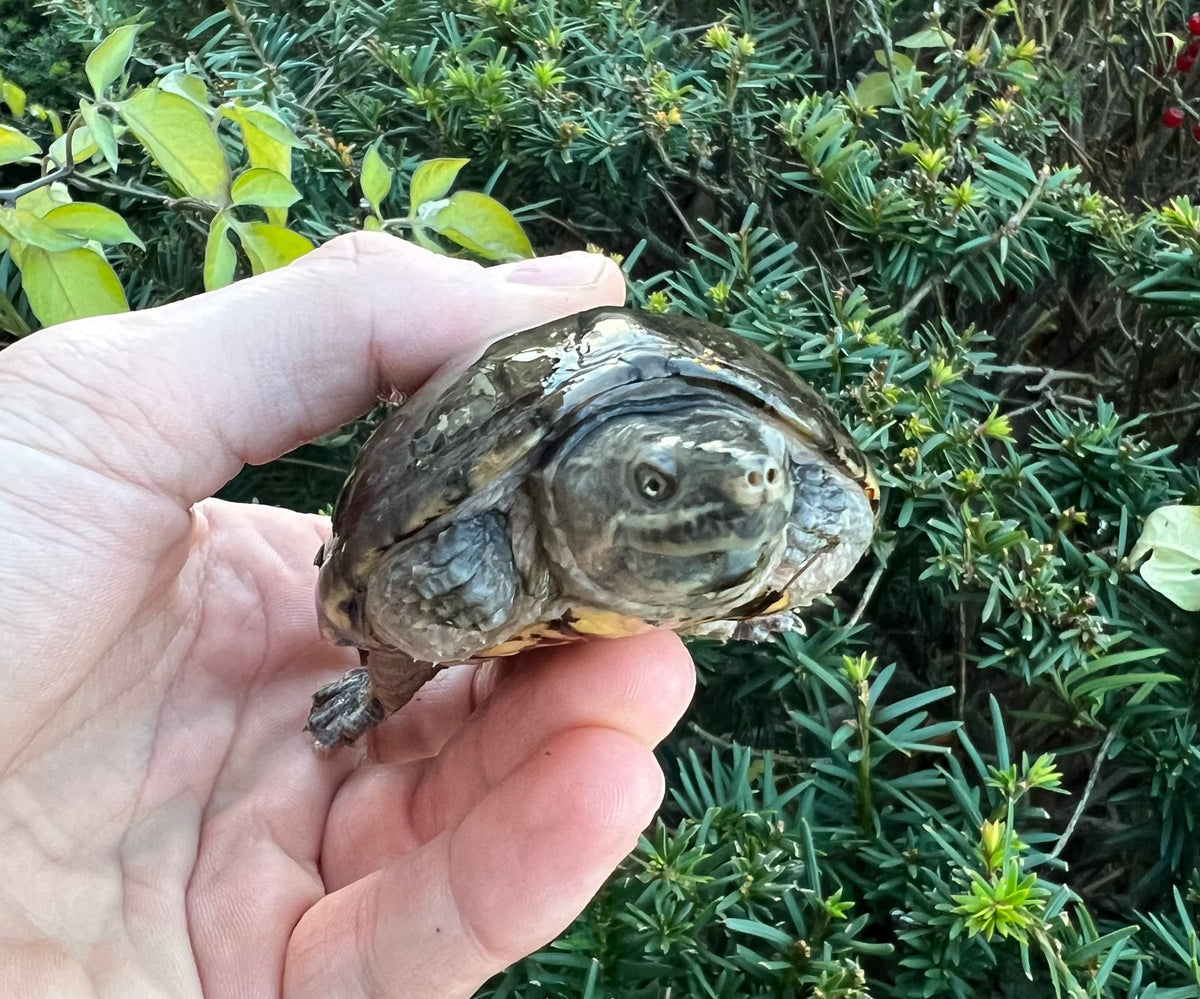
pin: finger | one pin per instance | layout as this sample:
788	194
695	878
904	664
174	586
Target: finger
179	397
639	686
439	709
440	921
636	686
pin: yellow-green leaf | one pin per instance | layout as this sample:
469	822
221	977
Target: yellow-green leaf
15	145
264	119
1171	537
263	187
43	200
424	240
1021	71
186	85
930	38
25	227
482	225
874	91
268	140
372	224
83	146
107	60
178	135
69	285
431	180
267	153
270	246
376	178
91	222
102	132
220	258
13	96
902	63
47	114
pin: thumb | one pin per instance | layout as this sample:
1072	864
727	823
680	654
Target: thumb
177	398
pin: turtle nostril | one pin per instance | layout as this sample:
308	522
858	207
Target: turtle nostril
767	475
762	480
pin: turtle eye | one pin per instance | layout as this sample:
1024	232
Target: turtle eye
653	482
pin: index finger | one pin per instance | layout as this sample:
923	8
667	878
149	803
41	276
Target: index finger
177	398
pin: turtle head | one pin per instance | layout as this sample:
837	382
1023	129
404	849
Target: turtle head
669	510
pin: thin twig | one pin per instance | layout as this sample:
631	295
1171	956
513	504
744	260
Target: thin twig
1076	400
683	220
721	743
322	466
1158	414
236	13
1013	224
708	186
9	196
868	592
1087	792
915	299
885	39
1048	375
962	663
138	191
1008	229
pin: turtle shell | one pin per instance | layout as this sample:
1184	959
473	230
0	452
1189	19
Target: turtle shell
482	421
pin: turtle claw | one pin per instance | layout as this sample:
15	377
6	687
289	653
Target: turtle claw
343	710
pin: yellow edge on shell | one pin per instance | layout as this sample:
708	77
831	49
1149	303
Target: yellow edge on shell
549	633
605	623
777	607
577	624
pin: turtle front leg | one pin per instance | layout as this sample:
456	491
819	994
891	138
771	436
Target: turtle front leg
351	706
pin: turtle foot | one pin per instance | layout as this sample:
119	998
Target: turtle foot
344	710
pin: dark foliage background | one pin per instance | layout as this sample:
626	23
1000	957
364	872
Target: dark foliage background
967	224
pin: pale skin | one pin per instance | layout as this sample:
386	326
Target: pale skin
165	829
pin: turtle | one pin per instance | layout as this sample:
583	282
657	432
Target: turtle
600	475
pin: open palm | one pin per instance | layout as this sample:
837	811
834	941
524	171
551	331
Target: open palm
165	829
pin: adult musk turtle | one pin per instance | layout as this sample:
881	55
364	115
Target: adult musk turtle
596	476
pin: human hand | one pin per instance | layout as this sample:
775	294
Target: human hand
165	829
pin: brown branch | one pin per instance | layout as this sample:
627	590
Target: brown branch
1048	375
1087	793
1008	229
868	592
726	744
236	13
147	193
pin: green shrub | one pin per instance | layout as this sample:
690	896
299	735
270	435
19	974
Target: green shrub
969	227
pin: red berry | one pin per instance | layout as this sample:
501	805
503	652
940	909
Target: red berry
1173	117
1185	62
1194	24
1196	132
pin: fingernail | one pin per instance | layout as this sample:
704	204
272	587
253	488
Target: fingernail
574	269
